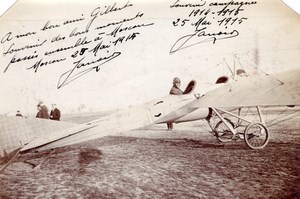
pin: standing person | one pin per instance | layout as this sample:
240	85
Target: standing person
42	111
19	114
55	113
175	90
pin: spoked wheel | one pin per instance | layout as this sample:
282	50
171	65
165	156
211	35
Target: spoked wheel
256	136
222	132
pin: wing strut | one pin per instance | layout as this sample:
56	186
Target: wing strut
16	155
260	114
229	126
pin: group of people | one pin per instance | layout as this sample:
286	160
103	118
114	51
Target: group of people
44	113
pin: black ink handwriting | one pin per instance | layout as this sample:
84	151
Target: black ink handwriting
15	60
202	22
80	52
227	11
76	33
47	26
98	47
203	36
79	42
73	20
230	21
199	12
239	3
40	63
108	9
73	74
122	39
11	50
57	38
8	36
119	29
120	22
177	4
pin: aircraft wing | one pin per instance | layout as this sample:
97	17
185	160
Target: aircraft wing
56	135
21	132
264	90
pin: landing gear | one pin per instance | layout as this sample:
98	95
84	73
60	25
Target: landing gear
256	135
222	132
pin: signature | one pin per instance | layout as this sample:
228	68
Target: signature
201	36
75	73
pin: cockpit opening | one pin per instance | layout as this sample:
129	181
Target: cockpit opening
222	80
190	87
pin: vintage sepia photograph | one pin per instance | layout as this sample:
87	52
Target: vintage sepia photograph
150	99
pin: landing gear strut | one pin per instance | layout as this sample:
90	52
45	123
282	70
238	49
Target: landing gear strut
256	134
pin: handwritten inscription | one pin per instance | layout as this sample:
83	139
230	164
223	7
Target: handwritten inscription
84	43
210	22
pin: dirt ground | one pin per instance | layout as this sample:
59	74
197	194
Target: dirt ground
155	163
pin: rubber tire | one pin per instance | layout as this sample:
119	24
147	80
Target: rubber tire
220	138
247	133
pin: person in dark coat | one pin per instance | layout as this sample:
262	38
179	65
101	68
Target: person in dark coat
42	111
175	90
55	113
